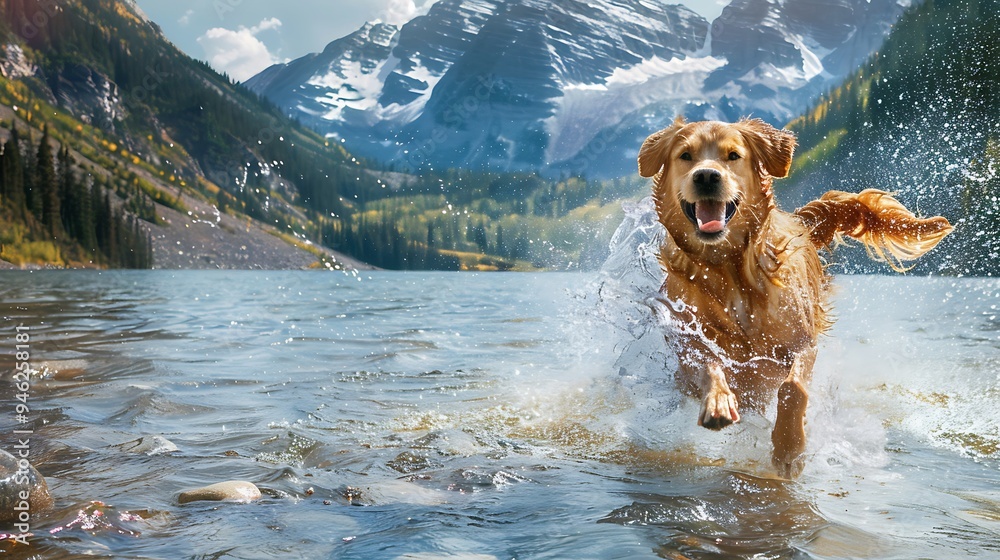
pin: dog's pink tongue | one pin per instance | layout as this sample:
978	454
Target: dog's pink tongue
711	215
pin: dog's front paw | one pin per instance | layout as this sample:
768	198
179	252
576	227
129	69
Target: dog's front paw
719	409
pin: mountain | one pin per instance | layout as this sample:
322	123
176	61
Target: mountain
921	118
181	155
786	52
567	86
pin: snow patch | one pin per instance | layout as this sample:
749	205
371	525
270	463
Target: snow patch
656	67
585	110
347	86
585	87
422	74
409	112
812	57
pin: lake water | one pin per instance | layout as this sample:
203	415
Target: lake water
445	415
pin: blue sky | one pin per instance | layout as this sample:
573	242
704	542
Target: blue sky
243	37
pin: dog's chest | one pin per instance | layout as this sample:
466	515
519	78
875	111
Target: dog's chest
741	320
738	312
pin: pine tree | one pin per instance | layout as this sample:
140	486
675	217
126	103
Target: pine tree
12	174
150	259
67	193
47	186
84	219
479	235
501	247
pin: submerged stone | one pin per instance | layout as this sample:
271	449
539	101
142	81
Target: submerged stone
230	491
408	462
148	445
22	489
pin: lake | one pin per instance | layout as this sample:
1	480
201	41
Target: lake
506	415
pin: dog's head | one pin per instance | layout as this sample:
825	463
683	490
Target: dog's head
712	178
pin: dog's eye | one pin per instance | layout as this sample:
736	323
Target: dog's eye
686	156
733	156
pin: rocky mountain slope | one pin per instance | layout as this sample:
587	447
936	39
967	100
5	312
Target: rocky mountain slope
567	86
201	164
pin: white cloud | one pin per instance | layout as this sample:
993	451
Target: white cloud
186	18
264	25
398	12
239	52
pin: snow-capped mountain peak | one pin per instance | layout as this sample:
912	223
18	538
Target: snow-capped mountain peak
568	85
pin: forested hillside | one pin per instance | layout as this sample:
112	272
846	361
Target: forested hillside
51	214
922	118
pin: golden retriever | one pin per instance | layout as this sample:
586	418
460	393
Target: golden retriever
744	279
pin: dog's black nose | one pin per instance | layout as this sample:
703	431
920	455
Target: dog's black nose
707	177
707	181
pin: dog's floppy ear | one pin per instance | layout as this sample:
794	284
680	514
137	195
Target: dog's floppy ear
772	147
653	153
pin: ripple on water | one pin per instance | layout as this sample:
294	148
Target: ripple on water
287	448
149	407
730	514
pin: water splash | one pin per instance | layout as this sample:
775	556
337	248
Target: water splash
625	300
652	417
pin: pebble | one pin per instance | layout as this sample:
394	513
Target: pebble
230	491
63	370
148	445
16	484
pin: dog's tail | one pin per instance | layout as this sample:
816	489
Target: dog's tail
889	231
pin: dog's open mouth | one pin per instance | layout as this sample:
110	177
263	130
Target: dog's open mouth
709	216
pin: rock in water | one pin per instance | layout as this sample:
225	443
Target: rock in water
229	491
22	488
148	445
